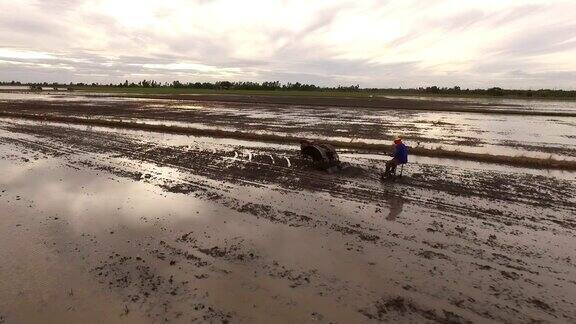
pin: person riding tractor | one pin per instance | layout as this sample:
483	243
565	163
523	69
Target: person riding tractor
399	157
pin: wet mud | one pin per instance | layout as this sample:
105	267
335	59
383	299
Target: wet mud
469	105
109	225
506	135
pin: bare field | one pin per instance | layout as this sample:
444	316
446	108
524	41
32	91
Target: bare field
124	226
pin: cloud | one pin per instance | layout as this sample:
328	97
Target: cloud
15	54
509	43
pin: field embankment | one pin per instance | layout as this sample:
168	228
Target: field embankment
507	94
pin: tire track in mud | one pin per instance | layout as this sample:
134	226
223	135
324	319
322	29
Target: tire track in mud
274	269
312	181
115	119
135	279
345	187
360	189
203	163
204	190
259	210
202	160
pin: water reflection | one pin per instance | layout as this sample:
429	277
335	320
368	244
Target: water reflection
89	200
396	205
511	135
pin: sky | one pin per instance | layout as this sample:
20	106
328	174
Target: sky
524	44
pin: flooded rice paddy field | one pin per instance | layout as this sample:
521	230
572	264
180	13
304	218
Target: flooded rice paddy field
117	226
498	134
542	105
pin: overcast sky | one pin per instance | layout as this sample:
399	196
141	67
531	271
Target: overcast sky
374	43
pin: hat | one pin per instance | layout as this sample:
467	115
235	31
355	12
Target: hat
398	140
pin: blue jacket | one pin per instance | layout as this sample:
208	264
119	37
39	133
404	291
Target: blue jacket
401	153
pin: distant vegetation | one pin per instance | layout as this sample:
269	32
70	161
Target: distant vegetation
151	86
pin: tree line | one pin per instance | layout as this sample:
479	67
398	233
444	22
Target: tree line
489	92
297	86
230	85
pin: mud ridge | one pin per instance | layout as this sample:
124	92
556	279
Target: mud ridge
347	102
519	161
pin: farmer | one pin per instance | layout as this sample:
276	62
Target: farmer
324	156
400	156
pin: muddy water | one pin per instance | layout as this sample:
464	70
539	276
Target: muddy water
47	212
49	95
503	103
114	226
511	135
